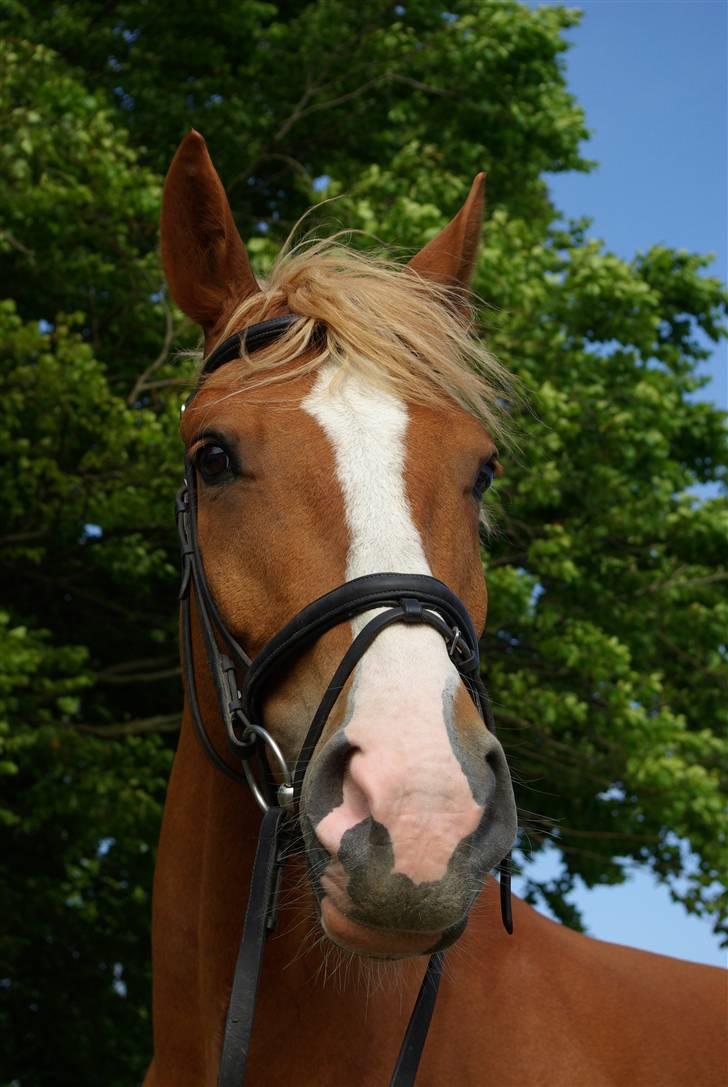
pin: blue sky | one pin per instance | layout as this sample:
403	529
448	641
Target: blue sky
652	76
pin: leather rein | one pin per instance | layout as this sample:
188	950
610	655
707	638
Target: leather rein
398	598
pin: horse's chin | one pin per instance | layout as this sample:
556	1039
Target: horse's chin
378	943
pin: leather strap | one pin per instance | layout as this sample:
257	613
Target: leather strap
220	666
189	667
504	880
250	339
431	602
259	920
408	1061
351	658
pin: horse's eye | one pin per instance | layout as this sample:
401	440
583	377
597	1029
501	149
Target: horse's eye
212	462
485	476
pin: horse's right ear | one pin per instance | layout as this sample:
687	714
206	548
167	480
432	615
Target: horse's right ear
204	258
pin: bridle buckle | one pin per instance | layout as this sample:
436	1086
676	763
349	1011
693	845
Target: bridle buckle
458	646
455	643
186	544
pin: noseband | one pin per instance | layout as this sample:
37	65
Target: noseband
396	598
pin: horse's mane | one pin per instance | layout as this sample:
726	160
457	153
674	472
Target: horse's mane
382	320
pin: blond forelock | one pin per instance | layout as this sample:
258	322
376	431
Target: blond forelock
379	319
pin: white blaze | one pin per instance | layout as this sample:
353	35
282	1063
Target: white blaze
366	427
413	782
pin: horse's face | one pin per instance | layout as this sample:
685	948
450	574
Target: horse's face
305	484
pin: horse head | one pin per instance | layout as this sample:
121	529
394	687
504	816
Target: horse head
358	441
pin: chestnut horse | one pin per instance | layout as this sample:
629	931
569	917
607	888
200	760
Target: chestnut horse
358	442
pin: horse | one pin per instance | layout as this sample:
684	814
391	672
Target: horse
352	441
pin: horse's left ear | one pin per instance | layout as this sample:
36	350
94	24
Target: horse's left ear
451	255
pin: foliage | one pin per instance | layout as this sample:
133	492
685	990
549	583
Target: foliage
605	648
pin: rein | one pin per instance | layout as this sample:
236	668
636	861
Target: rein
404	598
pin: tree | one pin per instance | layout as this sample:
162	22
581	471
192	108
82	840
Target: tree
605	649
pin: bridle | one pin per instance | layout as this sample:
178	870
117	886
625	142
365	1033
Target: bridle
397	598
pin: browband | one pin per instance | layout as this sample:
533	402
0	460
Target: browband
249	339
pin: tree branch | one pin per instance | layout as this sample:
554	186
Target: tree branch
22	537
396	77
161	358
338	101
180	382
716	674
136	677
15	243
140	662
296	113
169	722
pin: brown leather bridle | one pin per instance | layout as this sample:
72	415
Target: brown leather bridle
397	598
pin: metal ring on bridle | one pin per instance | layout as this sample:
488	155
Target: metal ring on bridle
284	791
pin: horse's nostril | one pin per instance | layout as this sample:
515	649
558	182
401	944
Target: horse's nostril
332	799
341	756
494	756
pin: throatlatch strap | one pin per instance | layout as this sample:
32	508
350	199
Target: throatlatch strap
405	1070
241	1010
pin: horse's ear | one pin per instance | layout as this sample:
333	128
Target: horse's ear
204	258
451	255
